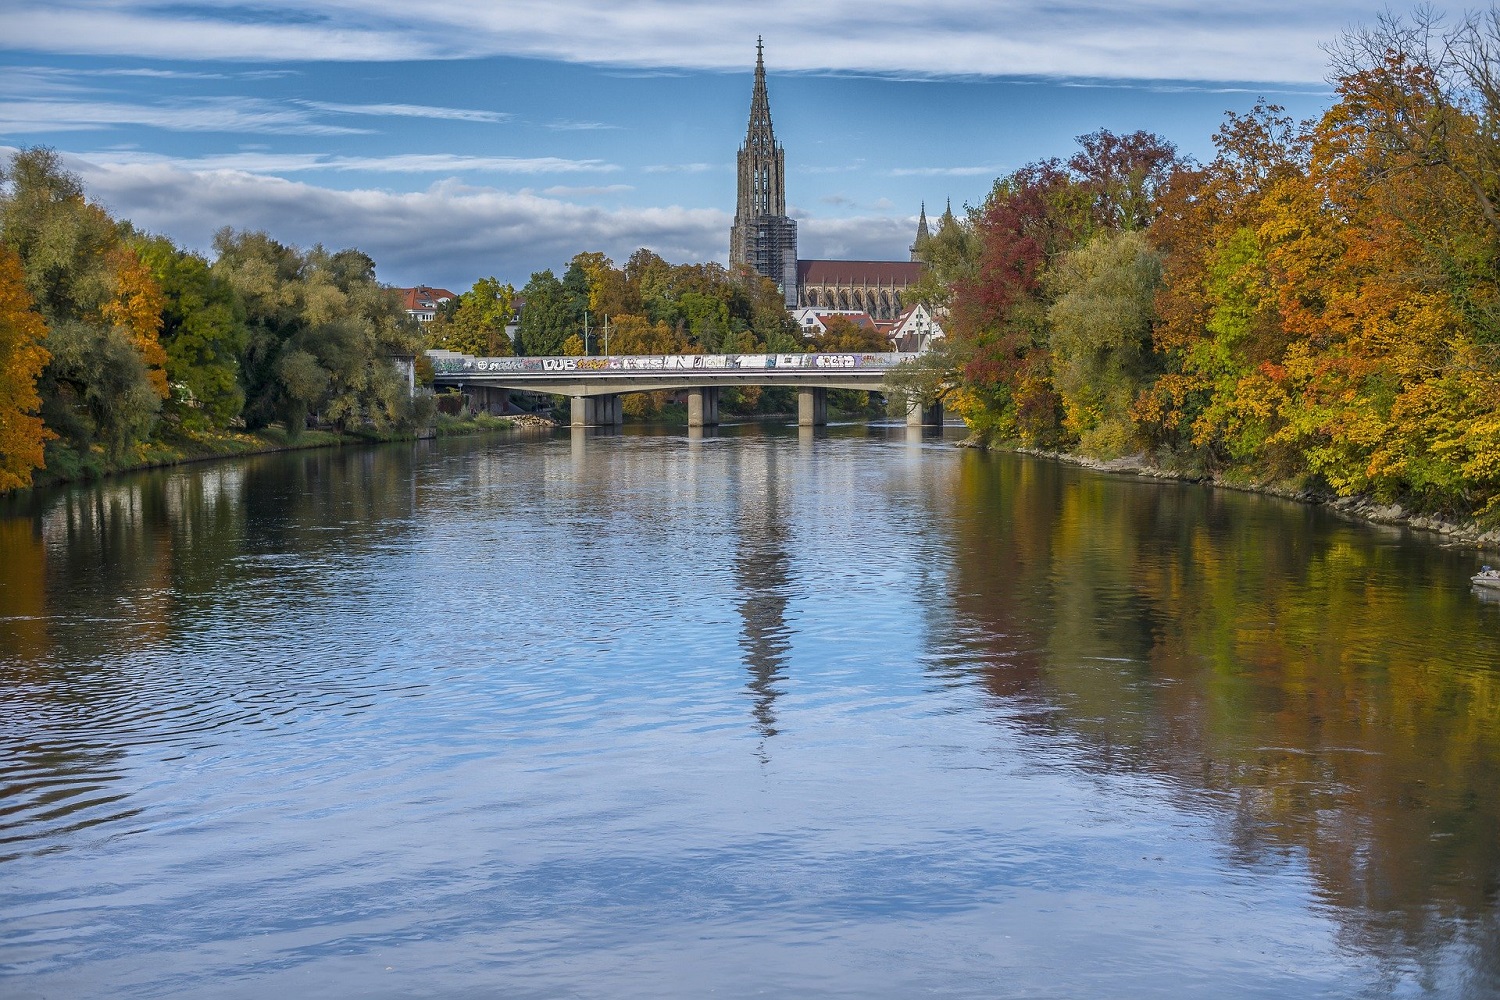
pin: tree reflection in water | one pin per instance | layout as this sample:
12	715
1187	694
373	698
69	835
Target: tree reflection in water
1327	690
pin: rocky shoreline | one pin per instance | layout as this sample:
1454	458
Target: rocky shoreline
1468	533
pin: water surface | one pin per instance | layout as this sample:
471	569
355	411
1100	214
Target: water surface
755	713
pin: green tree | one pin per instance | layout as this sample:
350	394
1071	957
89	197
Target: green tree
323	335
548	317
203	332
1101	337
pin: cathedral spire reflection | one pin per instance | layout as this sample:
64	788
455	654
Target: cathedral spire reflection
762	569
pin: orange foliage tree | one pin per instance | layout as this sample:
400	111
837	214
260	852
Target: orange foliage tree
22	358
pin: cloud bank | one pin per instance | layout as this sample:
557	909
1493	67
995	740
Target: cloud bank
1272	40
449	233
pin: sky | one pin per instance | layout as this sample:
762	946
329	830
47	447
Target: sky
456	139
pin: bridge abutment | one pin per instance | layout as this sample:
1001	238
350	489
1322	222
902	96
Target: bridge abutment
488	399
703	406
812	407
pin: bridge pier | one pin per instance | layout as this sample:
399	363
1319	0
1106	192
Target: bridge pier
598	411
703	406
812	407
918	415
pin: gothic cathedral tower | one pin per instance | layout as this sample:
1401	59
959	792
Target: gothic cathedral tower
763	237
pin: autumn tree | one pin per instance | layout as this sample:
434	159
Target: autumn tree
1218	318
950	257
999	312
841	333
22	359
477	325
105	380
1124	176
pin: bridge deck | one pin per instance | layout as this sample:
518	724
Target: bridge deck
594	376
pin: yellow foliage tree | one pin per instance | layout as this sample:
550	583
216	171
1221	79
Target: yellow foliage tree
136	307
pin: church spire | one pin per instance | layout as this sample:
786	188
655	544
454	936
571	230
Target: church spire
763	237
919	246
759	138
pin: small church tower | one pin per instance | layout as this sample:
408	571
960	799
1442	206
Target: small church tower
763	237
919	246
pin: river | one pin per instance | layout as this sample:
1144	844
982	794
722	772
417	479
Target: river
759	712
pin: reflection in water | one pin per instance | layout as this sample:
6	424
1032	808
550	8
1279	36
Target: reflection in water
479	706
762	570
1329	696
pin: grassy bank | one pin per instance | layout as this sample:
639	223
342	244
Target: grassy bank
68	465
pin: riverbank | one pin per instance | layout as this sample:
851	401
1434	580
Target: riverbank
1466	532
185	447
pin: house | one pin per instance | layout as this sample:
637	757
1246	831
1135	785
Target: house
422	302
915	329
813	322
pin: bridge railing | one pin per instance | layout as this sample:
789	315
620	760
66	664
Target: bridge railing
449	363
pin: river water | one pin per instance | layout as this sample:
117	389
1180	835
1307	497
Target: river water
755	713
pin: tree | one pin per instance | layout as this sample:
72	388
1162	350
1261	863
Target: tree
1217	314
1125	174
950	256
104	381
638	335
203	332
135	306
1101	337
477	325
548	318
843	334
22	359
323	335
999	310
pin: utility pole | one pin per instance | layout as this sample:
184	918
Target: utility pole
585	333
606	335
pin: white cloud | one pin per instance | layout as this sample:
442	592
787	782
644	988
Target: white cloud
412	111
252	162
1272	40
233	114
862	238
683	168
989	171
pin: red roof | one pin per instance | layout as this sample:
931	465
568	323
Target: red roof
898	273
424	297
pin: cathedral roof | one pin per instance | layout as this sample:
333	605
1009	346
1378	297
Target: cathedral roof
858	272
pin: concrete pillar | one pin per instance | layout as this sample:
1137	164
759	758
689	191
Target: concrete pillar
703	406
616	404
583	411
918	415
812	407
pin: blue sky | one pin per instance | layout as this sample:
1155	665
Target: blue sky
461	138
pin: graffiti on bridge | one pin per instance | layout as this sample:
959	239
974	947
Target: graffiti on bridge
665	363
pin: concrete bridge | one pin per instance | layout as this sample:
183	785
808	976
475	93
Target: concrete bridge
595	384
